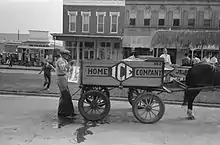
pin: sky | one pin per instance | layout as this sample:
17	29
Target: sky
24	15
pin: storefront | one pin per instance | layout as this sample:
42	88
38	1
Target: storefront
90	47
179	42
34	55
141	45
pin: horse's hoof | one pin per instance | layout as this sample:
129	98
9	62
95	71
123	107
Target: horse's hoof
191	118
184	104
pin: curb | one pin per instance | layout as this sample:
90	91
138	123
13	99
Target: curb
14	68
115	98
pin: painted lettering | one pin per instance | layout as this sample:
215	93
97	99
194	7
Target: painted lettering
147	72
98	71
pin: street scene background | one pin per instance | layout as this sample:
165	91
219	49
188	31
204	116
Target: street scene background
32	33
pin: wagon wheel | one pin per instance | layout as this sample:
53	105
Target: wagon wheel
97	108
148	108
133	93
100	89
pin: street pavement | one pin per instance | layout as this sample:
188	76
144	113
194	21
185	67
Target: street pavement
32	121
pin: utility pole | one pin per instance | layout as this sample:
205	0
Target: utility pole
18	34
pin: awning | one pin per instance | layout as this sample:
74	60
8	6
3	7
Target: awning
137	41
61	36
185	38
34	47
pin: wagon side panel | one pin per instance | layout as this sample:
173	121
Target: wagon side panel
148	73
98	73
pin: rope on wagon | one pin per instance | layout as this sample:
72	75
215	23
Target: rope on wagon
76	92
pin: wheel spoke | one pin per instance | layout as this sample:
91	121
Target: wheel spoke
153	113
146	115
86	102
141	113
89	109
99	111
150	115
156	106
155	110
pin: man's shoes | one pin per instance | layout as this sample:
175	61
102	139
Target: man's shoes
68	116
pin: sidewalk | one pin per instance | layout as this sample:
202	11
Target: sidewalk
20	67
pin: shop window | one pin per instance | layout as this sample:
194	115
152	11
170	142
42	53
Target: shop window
89	44
81	44
108	44
91	54
86	54
102	44
117	45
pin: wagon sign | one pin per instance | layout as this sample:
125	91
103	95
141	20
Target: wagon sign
113	73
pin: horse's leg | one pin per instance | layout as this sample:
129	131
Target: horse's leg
191	98
185	100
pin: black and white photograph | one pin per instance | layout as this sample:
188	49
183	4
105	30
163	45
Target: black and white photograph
110	72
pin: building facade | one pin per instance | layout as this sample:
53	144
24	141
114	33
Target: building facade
149	24
92	29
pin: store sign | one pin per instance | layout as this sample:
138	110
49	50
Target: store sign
122	71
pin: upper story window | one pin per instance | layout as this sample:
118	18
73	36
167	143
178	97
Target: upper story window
207	18
72	21
176	18
161	20
192	18
147	17
114	22
85	21
100	21
132	17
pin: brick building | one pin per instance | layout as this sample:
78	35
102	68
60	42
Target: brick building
172	24
92	29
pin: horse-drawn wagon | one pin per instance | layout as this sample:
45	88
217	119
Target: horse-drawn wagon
141	78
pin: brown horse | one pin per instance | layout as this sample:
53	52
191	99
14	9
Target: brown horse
200	75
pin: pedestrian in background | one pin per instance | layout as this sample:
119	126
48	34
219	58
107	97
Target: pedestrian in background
65	108
47	68
186	61
166	57
10	60
195	59
207	58
214	59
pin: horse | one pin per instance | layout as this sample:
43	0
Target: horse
200	75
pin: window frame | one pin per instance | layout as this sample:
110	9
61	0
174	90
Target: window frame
134	12
147	16
70	14
162	12
83	22
176	16
209	18
193	17
97	15
111	23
